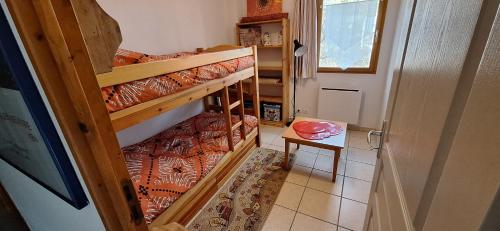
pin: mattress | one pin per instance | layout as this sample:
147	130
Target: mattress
121	96
167	165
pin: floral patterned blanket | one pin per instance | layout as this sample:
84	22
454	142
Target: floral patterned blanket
121	96
167	165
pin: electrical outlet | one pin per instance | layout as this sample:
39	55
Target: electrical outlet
303	111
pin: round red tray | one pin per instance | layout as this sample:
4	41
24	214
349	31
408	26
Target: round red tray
316	130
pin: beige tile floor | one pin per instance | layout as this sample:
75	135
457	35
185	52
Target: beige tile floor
309	200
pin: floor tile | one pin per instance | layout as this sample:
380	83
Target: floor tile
299	175
325	163
290	195
352	214
264	145
279	141
273	129
362	155
343	229
267	138
280	148
357	190
279	219
357	139
309	149
305	159
361	144
270	146
360	135
359	170
343	153
322	181
303	222
320	205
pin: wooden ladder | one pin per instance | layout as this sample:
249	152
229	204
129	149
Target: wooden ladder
227	107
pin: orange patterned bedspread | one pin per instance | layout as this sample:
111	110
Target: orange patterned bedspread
165	166
125	95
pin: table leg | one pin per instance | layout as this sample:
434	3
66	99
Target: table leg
335	163
287	152
298	145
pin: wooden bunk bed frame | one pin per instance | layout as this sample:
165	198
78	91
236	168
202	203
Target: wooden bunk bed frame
130	116
71	44
184	208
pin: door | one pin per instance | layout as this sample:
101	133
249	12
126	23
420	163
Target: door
431	50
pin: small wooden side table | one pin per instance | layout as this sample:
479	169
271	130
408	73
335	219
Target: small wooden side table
334	143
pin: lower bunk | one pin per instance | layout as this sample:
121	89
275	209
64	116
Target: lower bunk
175	172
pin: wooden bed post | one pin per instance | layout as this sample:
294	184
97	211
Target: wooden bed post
241	109
255	94
52	36
206	103
227	116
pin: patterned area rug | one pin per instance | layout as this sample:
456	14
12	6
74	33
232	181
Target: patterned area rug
245	201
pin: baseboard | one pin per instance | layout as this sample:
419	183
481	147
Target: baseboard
358	128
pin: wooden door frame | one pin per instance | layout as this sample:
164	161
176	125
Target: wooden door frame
56	47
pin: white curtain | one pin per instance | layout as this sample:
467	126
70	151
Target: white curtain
305	30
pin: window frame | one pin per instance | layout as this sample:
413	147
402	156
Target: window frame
379	28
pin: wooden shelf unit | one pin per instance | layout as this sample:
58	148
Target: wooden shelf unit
270	68
264	47
271	99
266	81
279	67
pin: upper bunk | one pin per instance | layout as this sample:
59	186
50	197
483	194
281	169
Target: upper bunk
125	87
102	37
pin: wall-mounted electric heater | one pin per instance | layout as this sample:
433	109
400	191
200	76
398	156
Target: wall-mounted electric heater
339	104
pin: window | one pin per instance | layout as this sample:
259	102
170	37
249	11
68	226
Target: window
350	34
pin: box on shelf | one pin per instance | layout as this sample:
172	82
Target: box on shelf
251	36
272	112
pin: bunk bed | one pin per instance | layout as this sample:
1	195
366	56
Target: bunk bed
176	171
72	45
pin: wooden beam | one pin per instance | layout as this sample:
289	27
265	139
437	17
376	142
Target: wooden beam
241	110
236	125
223	47
101	34
255	91
52	37
233	105
128	73
227	117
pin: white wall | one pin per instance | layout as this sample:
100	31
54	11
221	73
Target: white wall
167	26
41	209
155	125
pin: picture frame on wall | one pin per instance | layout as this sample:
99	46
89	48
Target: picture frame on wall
29	141
263	7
